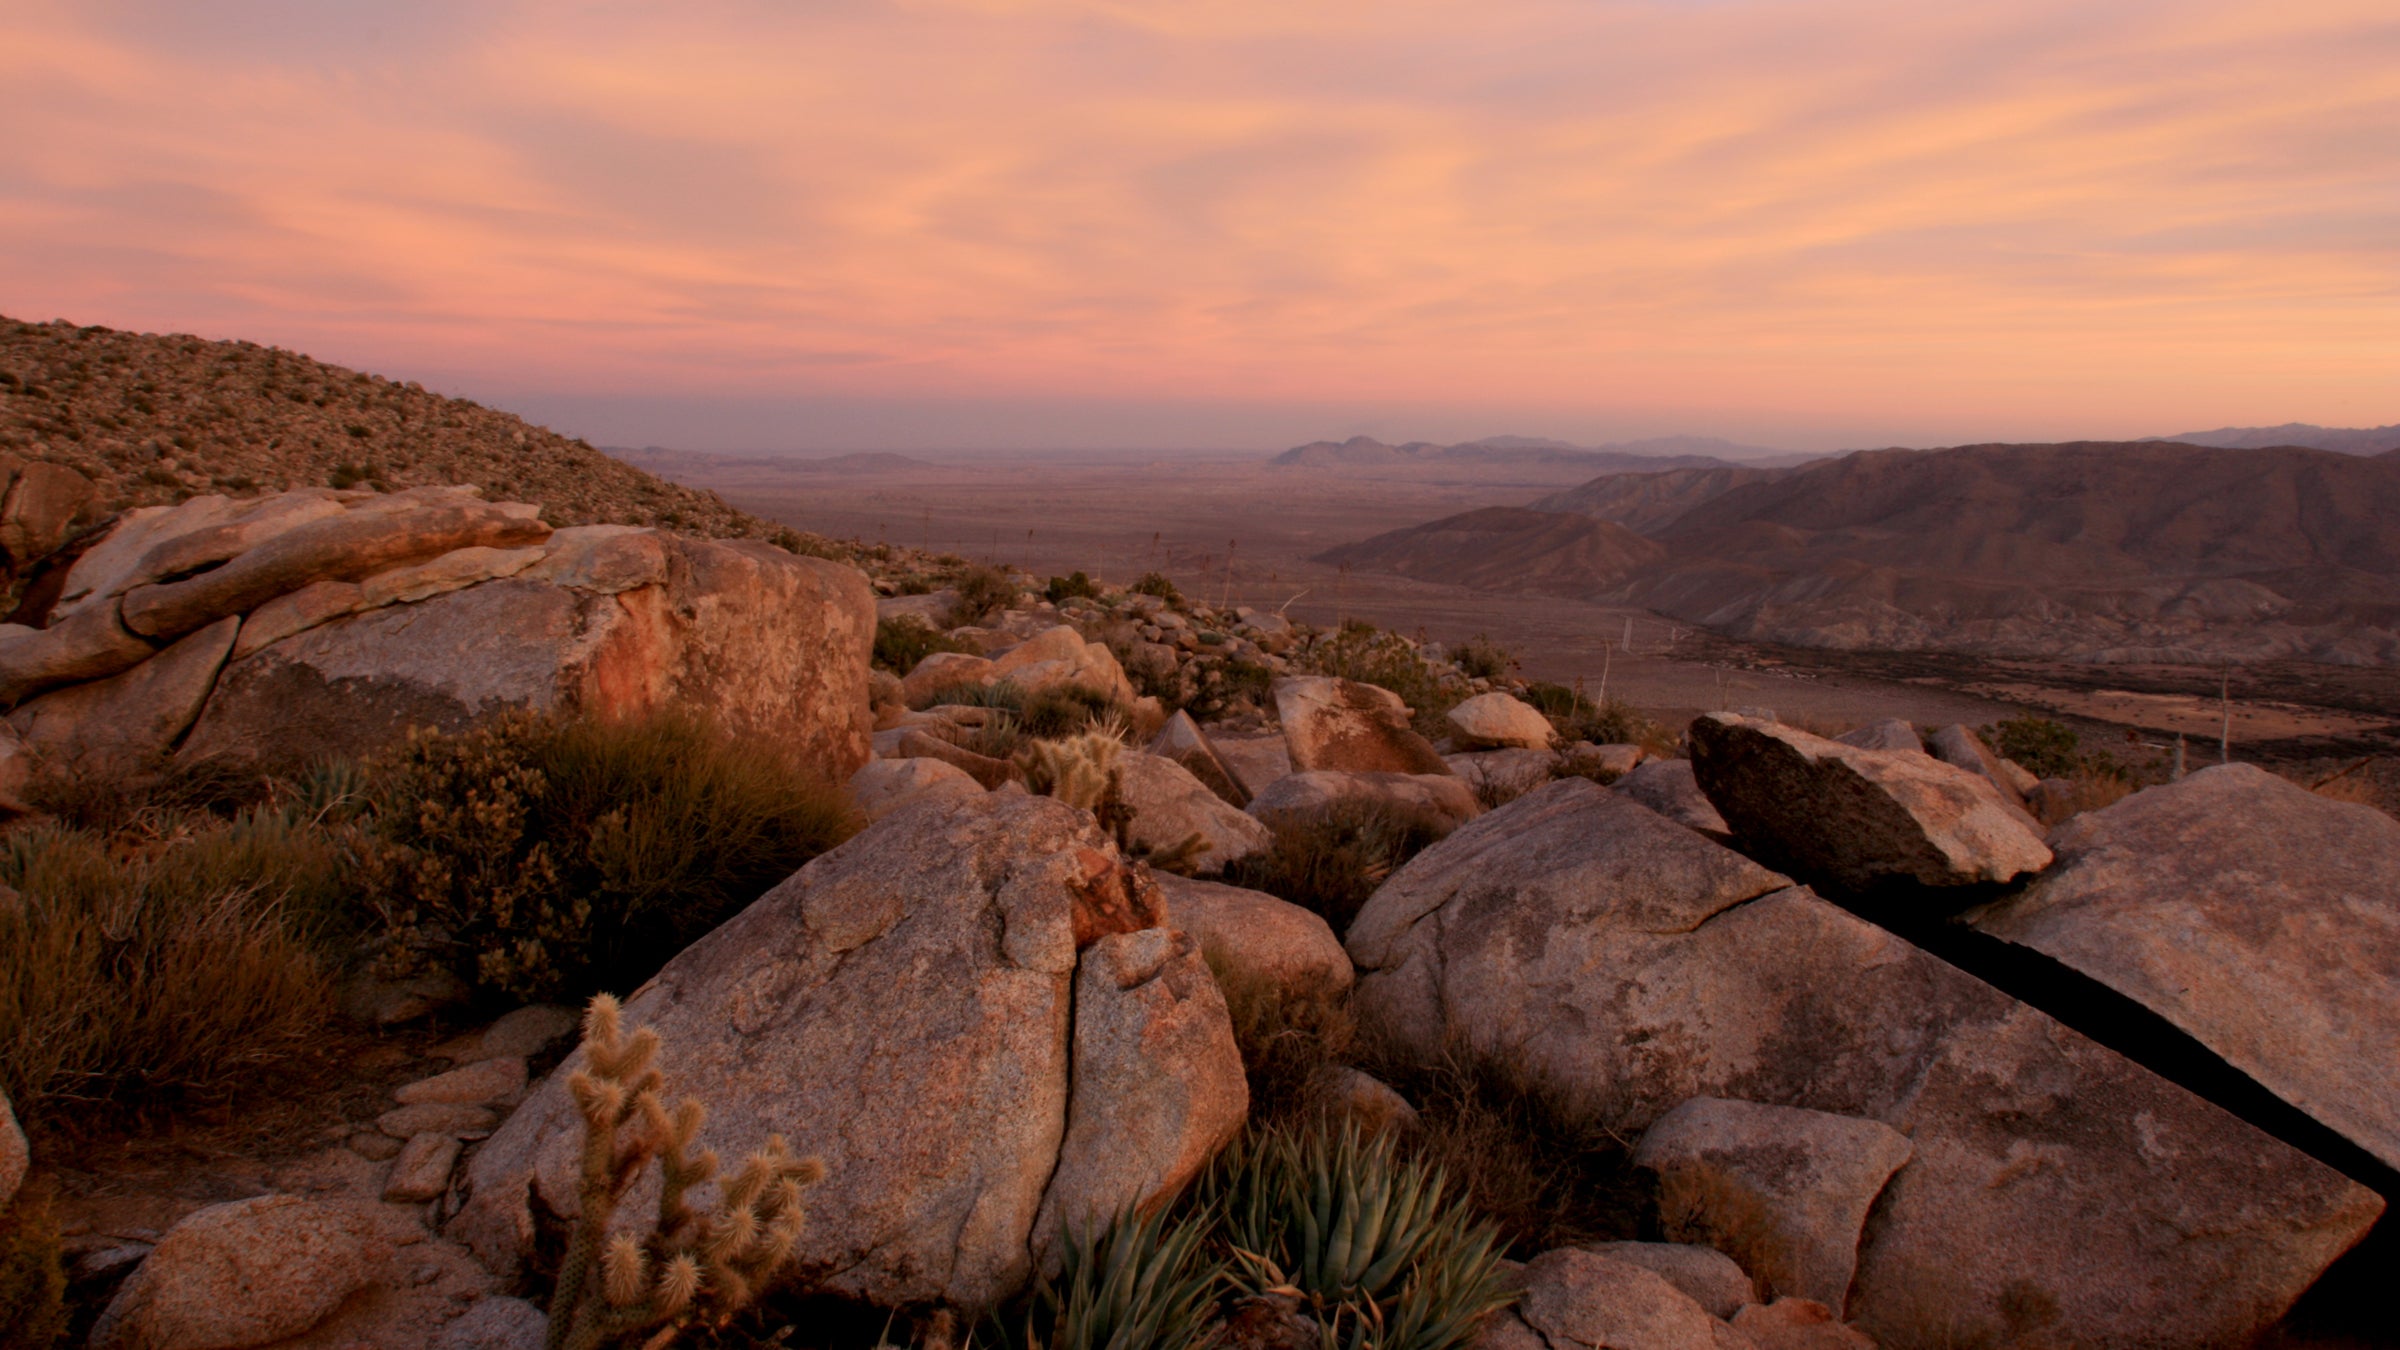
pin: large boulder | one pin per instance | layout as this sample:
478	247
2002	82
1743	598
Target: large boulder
1158	1085
1170	805
1182	741
245	1273
15	1158
2058	1191
1497	721
1499	775
1061	656
39	507
882	786
1443	799
2259	917
1668	787
1958	745
132	718
610	621
1346	727
1860	819
1250	937
904	1008
1256	760
1785	1190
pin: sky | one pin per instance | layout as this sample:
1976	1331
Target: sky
1217	223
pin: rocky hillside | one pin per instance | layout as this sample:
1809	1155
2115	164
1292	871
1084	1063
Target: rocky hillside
2095	550
1507	548
156	419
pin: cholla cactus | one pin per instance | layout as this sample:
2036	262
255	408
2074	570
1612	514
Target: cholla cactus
695	1266
1083	771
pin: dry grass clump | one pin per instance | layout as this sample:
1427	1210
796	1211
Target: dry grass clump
1331	861
548	857
1290	1040
904	639
1608	722
981	590
140	968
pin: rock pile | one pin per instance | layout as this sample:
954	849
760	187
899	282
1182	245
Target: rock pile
321	622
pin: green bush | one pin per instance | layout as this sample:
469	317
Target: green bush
1483	659
1577	718
2044	748
1067	710
981	590
1075	586
904	639
135	968
551	858
1332	861
1231	681
1156	583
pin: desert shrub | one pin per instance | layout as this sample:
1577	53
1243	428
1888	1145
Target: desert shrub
904	639
1073	586
1525	1157
1068	710
981	590
33	1279
1480	658
1140	1283
138	968
1613	722
1331	861
1370	655
2044	748
1156	583
1379	1245
2087	789
809	545
1225	684
546	857
1290	1040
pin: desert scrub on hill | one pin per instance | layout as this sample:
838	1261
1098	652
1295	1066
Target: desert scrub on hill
904	640
981	590
175	957
2044	748
545	857
1480	658
1615	722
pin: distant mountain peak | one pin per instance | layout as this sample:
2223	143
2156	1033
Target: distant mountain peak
2307	436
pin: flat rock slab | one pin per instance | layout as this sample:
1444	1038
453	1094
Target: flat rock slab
2058	1190
1785	1190
132	719
1347	727
2255	915
422	1171
1859	819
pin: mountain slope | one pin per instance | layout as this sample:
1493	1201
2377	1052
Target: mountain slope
1506	548
2342	440
1649	502
157	418
1672	452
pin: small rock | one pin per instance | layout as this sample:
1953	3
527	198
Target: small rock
1252	937
1498	721
1603	764
1182	741
423	1169
529	1031
1710	1277
499	1323
450	1118
1374	1104
1668	787
374	1145
243	1274
1578	1298
486	1081
1798	1324
1781	1189
882	786
1892	733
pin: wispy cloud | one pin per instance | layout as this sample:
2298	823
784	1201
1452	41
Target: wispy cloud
2077	216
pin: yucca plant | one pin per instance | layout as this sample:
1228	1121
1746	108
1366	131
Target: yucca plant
1383	1254
1145	1283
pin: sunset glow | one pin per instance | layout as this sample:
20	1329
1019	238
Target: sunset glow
1170	224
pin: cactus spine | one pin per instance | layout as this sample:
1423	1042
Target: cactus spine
695	1266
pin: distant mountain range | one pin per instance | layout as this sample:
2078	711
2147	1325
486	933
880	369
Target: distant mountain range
2111	551
1665	452
2341	440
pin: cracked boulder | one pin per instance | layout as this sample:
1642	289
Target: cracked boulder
2058	1191
906	1009
2257	916
1346	727
1858	818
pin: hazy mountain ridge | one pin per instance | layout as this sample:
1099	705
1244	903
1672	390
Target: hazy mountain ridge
2340	440
155	418
1666	452
2099	550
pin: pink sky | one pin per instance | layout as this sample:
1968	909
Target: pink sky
851	225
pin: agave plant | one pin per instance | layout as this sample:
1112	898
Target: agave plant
1145	1283
1384	1255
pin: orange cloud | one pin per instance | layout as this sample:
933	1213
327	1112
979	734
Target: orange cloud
2045	218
